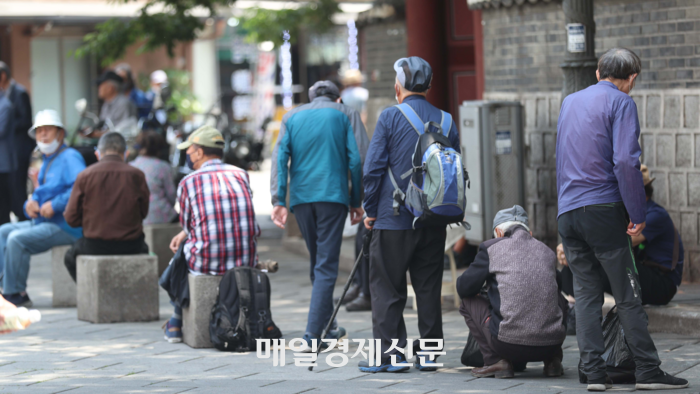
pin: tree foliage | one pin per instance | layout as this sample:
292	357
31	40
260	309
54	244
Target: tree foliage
261	25
166	23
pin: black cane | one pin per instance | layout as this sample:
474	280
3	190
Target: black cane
365	247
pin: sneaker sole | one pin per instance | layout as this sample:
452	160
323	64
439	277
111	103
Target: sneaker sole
599	387
426	369
384	369
173	340
659	386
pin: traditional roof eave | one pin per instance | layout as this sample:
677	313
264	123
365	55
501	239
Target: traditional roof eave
486	4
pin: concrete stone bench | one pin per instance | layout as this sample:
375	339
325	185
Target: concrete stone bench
195	318
122	288
158	237
63	286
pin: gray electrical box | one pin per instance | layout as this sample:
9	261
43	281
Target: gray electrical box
491	135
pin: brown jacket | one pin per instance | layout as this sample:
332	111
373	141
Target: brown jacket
109	200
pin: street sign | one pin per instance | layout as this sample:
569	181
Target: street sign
576	33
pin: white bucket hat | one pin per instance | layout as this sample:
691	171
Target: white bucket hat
47	117
159	76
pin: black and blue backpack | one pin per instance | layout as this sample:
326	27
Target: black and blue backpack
436	192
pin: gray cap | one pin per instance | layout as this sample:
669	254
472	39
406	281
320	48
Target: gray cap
414	73
323	88
515	214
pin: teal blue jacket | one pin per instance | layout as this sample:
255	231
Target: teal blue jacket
318	145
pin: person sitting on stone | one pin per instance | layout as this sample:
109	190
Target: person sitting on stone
216	213
158	176
522	316
109	200
659	253
47	226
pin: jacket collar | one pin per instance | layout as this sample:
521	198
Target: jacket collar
211	162
112	158
511	231
608	84
321	98
414	97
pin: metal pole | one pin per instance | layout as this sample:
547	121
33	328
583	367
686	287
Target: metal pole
580	62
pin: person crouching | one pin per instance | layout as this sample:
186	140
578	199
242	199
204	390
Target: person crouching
521	319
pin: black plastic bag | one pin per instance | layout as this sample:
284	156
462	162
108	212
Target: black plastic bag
471	356
174	279
618	356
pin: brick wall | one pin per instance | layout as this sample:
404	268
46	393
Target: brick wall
523	47
664	33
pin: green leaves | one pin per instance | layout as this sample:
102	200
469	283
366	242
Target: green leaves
261	25
159	23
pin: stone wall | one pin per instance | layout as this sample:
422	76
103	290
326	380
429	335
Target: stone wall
670	140
524	45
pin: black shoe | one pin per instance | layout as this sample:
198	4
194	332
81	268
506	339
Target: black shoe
18	299
361	303
662	381
571	322
353	292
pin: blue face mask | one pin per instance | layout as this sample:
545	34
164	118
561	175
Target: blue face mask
190	164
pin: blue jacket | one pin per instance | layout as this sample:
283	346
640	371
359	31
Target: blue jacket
142	101
324	140
598	151
8	162
56	184
393	144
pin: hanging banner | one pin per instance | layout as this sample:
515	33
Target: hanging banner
263	105
576	33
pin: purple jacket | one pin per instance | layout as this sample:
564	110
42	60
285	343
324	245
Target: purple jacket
598	151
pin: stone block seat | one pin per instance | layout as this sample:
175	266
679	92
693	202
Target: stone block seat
158	237
195	318
63	286
117	288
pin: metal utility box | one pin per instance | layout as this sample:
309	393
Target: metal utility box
491	137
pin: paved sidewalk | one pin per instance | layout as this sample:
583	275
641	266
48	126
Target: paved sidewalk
62	354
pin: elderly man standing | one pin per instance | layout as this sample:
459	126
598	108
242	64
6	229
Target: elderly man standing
216	213
601	205
45	207
397	246
22	144
522	317
324	140
117	110
109	200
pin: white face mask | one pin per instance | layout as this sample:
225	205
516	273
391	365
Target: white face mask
49	148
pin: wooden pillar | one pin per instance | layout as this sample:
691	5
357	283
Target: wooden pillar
424	35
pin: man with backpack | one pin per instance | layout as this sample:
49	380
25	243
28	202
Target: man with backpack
409	235
324	140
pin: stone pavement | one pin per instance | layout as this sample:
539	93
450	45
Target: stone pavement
62	354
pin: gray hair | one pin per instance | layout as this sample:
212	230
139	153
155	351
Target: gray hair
112	141
507	225
619	63
4	68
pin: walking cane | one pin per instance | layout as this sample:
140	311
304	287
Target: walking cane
365	249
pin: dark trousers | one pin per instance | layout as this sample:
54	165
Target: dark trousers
18	180
657	287
321	224
597	247
101	247
362	274
5	197
392	253
477	314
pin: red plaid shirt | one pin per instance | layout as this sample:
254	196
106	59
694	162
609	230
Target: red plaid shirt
216	211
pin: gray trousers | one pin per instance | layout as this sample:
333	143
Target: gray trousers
596	245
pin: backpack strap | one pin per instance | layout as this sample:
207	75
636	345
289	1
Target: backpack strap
412	118
242	275
399	195
446	123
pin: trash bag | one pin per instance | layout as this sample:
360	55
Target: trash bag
471	356
618	356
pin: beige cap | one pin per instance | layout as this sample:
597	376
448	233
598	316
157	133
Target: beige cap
204	136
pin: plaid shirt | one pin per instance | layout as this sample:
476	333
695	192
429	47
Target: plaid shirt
216	211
